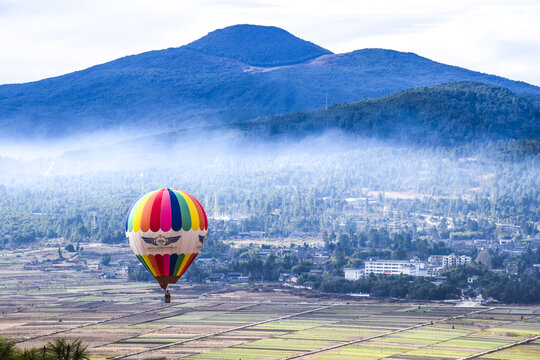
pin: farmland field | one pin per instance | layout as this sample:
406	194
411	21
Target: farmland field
119	319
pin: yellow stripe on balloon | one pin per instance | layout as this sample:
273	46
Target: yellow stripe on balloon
149	264
138	213
192	211
184	262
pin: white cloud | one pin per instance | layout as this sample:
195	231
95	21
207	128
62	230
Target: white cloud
42	39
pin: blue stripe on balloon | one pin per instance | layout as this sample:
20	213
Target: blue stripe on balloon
127	216
176	215
172	264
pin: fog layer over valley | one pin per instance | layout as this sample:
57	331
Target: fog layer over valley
331	182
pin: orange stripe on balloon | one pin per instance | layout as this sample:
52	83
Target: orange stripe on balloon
153	261
191	258
147	211
138	213
149	264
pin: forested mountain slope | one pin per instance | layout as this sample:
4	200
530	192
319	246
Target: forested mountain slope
445	114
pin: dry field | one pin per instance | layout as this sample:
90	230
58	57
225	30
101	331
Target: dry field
123	320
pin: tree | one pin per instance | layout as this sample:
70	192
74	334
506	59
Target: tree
61	349
484	257
8	350
106	259
34	354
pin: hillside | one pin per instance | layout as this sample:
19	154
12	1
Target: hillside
439	115
207	82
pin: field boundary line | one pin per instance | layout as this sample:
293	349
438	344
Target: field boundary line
336	346
504	347
160	347
160	329
101	322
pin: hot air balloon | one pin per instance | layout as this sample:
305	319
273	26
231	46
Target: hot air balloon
166	229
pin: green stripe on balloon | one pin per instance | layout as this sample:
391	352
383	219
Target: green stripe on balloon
184	209
178	263
144	263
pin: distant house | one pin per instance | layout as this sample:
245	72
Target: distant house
257	234
320	258
264	253
284	277
108	275
216	278
353	274
233	276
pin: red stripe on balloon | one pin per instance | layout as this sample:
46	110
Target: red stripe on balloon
156	211
147	211
166	263
159	260
166	216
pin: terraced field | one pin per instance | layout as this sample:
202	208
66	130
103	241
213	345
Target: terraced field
121	320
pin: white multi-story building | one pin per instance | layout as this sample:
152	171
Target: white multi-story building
464	260
436	260
395	267
453	260
353	274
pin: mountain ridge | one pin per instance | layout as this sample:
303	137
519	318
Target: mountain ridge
446	114
257	45
180	86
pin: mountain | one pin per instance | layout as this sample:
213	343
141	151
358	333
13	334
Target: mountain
447	114
262	46
230	75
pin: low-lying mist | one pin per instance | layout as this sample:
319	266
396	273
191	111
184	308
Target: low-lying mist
199	154
281	186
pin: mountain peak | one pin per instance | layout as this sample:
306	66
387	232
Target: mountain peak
257	45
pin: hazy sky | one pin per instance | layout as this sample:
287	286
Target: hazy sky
47	38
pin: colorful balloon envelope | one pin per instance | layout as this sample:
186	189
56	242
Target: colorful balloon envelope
167	229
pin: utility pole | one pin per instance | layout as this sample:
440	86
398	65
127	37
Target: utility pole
326	105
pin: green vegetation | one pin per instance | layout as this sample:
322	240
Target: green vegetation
59	349
523	352
284	344
448	114
241	353
522	288
151	340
